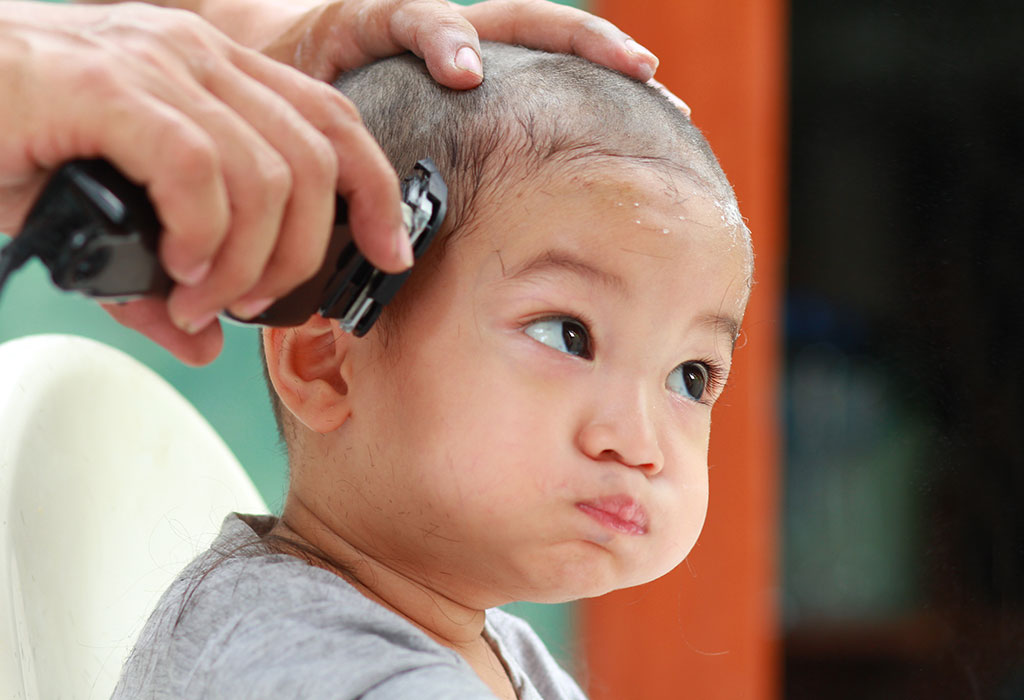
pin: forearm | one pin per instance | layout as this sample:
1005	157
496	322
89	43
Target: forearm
192	5
242	20
252	23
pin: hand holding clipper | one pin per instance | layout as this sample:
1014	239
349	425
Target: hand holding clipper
98	235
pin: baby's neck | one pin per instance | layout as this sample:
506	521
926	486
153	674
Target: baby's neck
446	621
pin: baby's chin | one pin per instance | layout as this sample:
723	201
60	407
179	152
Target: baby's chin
587	589
591	576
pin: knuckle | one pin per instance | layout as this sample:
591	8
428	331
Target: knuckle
275	180
430	5
344	107
437	7
195	160
519	5
540	8
235	276
454	24
96	75
296	264
188	26
323	165
325	106
342	120
424	18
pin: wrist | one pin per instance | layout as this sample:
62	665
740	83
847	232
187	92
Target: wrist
252	23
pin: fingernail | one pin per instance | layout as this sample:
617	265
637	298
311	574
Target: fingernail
639	50
403	248
468	59
195	275
251	309
197	324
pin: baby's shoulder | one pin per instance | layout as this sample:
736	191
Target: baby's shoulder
242	622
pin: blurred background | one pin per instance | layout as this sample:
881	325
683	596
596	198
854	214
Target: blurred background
903	532
865	537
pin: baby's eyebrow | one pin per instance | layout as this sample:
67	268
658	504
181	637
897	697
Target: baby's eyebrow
566	261
724	325
559	260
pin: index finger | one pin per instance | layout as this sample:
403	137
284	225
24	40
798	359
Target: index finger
157	146
561	29
369	185
366	179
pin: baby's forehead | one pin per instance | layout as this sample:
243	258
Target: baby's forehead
661	199
688	197
637	221
600	211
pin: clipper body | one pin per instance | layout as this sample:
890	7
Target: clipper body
99	233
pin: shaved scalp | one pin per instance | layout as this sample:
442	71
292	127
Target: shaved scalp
533	110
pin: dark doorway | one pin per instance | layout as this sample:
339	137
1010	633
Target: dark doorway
904	493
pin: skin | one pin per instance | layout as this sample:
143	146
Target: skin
447	469
241	154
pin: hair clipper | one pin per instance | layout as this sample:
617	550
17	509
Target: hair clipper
98	233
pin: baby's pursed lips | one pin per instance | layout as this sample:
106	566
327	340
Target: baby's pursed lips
619	512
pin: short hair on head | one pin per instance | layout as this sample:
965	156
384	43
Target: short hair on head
533	110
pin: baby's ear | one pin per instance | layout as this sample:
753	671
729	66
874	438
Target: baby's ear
306	365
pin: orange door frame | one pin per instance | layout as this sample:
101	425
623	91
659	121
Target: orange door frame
709	629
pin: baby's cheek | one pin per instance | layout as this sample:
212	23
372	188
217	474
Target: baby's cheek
686	509
673	547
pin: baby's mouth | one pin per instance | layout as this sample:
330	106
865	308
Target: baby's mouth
620	513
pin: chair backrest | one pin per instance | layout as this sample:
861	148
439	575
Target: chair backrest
110	482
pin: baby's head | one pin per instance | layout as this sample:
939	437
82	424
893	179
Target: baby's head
530	419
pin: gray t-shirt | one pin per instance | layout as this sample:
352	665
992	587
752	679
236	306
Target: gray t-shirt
240	622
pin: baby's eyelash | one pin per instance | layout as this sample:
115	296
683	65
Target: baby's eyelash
717	373
717	377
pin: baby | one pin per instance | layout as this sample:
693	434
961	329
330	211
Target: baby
529	420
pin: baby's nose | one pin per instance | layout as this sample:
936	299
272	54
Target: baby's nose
622	429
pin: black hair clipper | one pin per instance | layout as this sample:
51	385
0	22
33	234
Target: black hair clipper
97	233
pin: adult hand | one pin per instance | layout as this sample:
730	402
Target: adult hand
241	155
323	39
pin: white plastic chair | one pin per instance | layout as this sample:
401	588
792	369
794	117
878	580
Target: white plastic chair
110	482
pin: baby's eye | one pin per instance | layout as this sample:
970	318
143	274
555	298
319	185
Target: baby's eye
563	334
689	379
